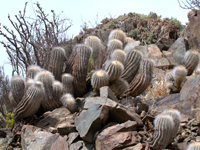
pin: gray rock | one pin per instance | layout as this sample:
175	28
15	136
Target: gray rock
136	147
92	120
72	137
76	146
60	144
106	92
66	128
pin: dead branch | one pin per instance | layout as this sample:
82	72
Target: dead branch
189	4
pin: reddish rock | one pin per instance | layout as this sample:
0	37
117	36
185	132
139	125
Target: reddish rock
60	143
139	146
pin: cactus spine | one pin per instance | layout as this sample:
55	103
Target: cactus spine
69	102
32	70
118	55
49	102
179	74
143	79
117	34
17	88
194	146
31	101
163	126
95	43
57	89
191	60
119	86
112	45
56	63
67	81
80	68
99	78
131	65
114	69
176	116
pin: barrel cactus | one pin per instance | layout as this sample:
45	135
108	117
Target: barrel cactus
99	78
29	82
118	55
67	81
194	146
117	34
69	102
57	89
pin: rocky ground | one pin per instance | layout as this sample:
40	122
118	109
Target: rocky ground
105	122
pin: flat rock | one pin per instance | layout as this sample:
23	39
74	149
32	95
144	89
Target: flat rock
106	92
92	120
34	138
76	146
170	58
139	146
178	49
60	144
53	118
66	128
72	137
118	136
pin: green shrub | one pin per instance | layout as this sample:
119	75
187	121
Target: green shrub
10	120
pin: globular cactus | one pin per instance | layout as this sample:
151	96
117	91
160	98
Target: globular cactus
17	88
56	63
99	78
119	86
118	55
57	89
117	34
179	74
49	103
80	69
12	100
131	46
29	82
31	102
191	60
143	79
194	146
32	70
112	45
163	126
67	81
95	43
176	116
131	65
69	102
114	69
128	39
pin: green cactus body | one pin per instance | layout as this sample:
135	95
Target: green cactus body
68	86
57	89
119	86
112	45
118	55
69	102
80	69
163	126
131	46
32	70
17	88
176	116
117	34
179	74
191	60
114	69
131	65
49	103
31	101
29	82
194	146
95	43
99	78
56	63
143	79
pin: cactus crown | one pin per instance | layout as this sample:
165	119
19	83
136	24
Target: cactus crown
163	117
46	77
174	113
69	101
118	55
29	82
117	34
58	84
32	71
93	41
99	78
58	51
179	71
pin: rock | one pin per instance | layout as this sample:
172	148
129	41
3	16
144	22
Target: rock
106	92
178	50
170	58
53	118
92	120
192	29
87	146
139	146
142	107
117	112
118	136
76	146
153	52
34	138
66	128
165	43
60	144
72	137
